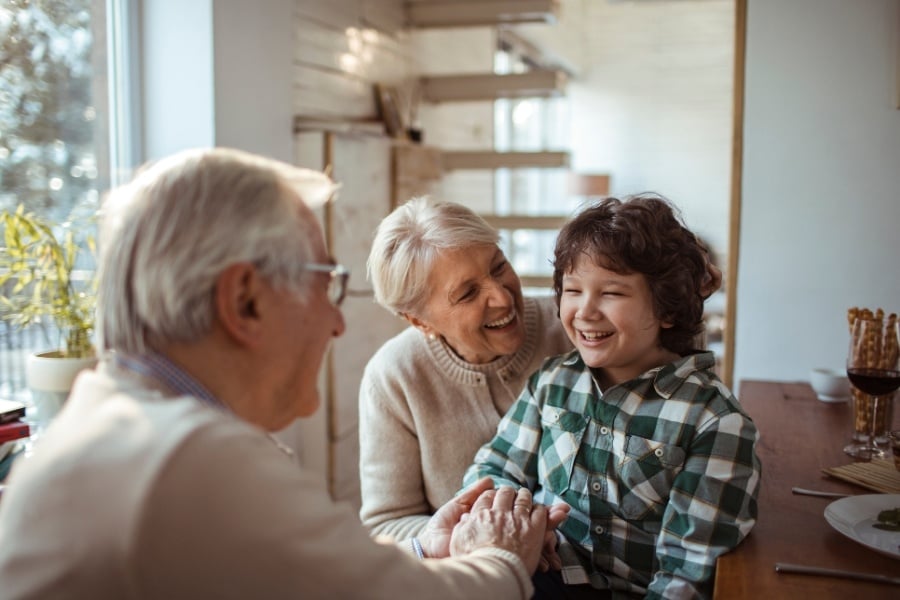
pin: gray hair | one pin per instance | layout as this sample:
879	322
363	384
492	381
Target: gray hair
167	236
408	241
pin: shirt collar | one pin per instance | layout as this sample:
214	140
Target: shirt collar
666	378
157	366
671	376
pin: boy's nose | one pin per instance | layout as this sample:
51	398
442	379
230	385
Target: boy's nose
588	309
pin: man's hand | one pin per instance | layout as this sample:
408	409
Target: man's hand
504	519
435	539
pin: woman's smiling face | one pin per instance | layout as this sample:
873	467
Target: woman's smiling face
475	304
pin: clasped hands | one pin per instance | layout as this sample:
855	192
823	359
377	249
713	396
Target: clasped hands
481	516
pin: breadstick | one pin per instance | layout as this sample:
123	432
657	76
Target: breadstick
890	350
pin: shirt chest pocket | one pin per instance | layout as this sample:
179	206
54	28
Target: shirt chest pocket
645	476
561	434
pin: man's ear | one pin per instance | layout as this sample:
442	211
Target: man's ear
238	302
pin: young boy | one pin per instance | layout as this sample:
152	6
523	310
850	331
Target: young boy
632	429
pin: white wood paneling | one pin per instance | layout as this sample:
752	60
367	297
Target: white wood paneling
361	164
342	48
321	93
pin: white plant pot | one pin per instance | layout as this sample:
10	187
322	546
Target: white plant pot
49	376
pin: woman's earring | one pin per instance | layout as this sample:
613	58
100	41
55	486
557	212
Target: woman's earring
432	336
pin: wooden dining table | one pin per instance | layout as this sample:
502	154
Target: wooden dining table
799	436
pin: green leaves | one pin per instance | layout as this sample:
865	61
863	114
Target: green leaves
37	280
888	520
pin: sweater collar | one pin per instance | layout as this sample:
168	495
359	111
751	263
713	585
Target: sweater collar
506	366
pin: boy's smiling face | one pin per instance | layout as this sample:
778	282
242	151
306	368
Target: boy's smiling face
609	318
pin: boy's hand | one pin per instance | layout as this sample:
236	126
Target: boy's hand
556	514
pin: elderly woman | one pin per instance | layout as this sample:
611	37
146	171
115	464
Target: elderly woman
432	395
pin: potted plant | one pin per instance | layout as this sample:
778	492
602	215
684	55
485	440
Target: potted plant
39	284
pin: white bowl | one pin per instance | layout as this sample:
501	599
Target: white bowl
830	385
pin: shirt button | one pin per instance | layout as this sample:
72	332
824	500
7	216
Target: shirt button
596	486
658	452
598	530
604	430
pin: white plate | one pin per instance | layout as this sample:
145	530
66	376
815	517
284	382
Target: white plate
854	516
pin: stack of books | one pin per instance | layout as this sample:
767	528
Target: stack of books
12	430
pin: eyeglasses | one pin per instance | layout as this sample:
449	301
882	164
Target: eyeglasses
337	285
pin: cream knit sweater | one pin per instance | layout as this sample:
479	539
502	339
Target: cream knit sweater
424	412
133	494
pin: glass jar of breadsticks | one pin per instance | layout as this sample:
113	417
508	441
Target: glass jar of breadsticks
873	367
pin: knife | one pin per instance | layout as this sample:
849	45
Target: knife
805	492
805	570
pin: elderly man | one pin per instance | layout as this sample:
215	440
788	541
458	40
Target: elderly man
159	478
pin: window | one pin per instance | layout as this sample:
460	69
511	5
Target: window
530	125
62	68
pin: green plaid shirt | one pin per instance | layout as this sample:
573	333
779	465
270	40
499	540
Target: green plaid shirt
660	472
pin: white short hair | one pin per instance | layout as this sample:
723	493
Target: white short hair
167	236
408	241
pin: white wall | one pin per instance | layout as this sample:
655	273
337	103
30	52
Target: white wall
654	106
651	101
217	72
821	180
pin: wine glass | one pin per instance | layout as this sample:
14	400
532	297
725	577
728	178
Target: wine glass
873	367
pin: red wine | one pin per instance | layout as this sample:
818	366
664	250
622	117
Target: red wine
875	382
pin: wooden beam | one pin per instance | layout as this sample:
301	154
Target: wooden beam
525	222
449	88
737	178
504	160
464	13
536	281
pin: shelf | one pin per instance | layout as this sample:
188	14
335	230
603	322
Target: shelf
536	281
526	222
450	88
464	13
348	126
504	160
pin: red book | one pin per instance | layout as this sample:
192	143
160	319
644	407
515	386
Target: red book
14	430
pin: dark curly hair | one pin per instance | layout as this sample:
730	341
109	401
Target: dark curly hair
642	234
